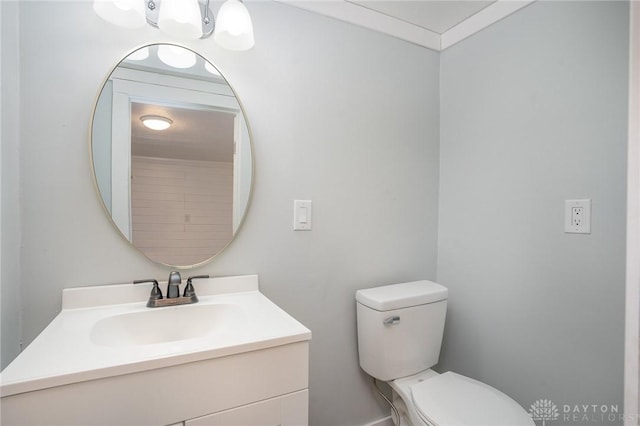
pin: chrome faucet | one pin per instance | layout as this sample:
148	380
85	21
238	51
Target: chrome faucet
173	285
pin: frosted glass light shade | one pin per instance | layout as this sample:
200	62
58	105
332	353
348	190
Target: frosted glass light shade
175	56
181	19
234	29
124	13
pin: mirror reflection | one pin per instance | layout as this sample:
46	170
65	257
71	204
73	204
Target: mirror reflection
171	155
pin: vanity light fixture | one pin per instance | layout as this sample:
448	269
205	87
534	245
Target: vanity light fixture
183	19
156	122
234	29
123	13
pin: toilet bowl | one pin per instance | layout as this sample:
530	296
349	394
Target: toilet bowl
400	330
450	399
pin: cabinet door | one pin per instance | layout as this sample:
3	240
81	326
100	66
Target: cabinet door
286	410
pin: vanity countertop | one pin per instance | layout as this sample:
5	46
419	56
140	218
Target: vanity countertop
75	347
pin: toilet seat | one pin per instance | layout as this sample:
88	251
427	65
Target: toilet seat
452	399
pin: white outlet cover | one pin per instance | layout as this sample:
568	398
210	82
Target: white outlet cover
581	225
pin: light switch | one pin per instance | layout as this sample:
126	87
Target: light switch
301	215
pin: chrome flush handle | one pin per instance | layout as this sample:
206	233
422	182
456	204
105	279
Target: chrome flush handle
391	320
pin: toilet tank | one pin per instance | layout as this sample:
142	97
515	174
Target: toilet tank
400	328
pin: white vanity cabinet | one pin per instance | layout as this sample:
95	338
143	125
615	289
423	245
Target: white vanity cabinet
268	386
250	371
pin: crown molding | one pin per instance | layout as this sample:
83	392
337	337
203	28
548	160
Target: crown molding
367	18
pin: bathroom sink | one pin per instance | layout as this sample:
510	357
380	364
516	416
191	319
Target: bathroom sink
108	331
164	325
106	352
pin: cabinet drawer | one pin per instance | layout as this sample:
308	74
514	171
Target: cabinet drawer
286	410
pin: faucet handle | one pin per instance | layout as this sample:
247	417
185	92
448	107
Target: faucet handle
197	277
189	291
156	293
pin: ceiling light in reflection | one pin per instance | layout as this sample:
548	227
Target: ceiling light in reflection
156	122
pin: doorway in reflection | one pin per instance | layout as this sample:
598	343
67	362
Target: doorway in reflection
178	193
181	183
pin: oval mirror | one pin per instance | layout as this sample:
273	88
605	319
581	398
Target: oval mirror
172	155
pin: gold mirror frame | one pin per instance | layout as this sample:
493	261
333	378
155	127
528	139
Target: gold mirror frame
226	104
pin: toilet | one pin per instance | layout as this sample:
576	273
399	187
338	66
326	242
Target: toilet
400	330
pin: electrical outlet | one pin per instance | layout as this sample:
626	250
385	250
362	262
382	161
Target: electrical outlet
577	216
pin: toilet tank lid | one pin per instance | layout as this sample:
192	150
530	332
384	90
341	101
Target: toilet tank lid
404	295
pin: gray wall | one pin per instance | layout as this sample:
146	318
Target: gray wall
331	123
10	318
534	112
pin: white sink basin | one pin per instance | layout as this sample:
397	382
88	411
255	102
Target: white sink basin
162	325
105	331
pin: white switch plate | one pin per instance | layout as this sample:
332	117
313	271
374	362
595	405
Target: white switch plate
577	216
302	215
